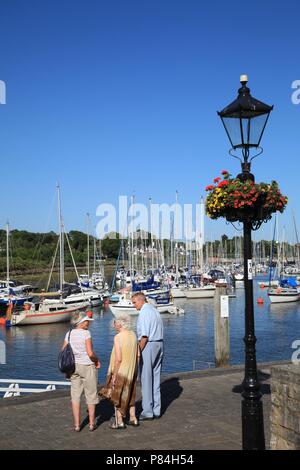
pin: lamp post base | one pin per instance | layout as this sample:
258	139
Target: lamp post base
253	425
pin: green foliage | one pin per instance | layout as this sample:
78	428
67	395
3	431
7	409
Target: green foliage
110	247
30	251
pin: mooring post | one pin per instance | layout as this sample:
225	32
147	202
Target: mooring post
221	327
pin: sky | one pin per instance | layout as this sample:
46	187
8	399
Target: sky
114	98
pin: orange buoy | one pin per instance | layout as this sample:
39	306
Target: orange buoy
260	301
262	286
2	321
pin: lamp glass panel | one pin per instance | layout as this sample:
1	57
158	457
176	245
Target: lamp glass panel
233	129
253	128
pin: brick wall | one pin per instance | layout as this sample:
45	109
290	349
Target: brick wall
285	407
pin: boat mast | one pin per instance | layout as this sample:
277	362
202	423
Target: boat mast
132	241
176	243
88	243
95	255
151	230
7	257
297	240
201	238
61	242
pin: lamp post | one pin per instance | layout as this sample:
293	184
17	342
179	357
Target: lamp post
244	121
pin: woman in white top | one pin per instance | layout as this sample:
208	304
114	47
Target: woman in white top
85	377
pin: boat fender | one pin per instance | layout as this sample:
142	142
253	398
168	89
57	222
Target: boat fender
260	301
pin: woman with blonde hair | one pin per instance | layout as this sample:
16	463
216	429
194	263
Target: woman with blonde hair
121	379
85	377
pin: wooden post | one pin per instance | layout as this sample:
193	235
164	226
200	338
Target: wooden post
221	326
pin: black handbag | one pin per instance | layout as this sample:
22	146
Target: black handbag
66	359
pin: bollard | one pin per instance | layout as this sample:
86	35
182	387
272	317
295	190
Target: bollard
221	327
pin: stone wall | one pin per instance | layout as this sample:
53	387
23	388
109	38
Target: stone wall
285	407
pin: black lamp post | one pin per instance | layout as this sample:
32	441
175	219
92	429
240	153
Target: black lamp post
245	120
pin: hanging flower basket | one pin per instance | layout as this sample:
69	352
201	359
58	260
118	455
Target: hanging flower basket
243	201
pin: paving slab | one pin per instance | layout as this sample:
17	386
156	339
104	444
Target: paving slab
201	410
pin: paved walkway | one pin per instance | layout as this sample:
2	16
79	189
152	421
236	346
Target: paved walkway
201	410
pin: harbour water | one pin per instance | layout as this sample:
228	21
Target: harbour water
31	352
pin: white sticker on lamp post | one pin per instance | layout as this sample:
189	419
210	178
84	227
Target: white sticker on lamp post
250	275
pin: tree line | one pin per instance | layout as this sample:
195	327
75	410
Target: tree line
30	250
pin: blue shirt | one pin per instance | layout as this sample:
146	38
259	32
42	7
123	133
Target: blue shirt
149	323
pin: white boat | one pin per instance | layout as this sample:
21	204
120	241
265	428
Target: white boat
48	311
162	307
124	306
177	293
238	276
274	283
202	292
16	288
221	282
283	294
88	297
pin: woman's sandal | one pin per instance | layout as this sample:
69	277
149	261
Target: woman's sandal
77	429
92	427
133	422
117	426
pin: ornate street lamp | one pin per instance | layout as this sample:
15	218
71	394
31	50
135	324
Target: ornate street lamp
245	120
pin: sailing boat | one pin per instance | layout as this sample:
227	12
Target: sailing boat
176	290
87	294
8	293
196	289
49	310
287	290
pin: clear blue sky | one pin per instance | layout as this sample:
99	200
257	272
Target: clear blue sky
111	97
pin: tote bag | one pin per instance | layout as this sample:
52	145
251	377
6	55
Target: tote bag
66	359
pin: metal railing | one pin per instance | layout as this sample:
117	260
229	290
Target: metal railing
196	364
14	389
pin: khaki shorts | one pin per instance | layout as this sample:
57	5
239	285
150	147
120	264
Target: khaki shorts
85	378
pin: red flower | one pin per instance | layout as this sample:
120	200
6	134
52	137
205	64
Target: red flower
224	172
223	183
216	180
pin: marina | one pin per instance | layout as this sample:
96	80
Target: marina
31	351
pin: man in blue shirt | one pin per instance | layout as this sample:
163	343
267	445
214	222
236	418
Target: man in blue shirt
150	336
